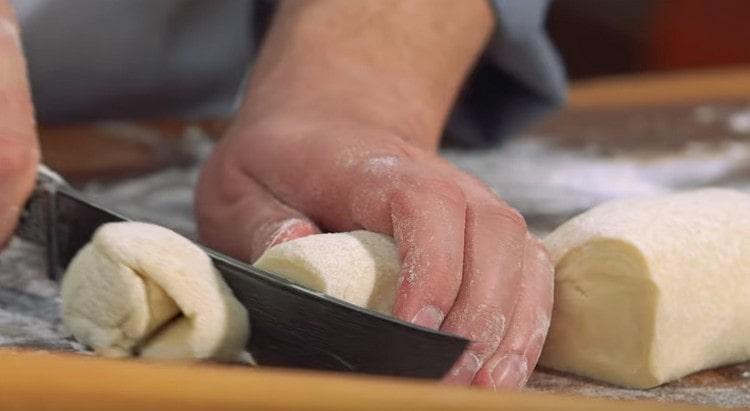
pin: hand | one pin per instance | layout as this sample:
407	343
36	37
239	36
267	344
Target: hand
469	265
19	151
338	132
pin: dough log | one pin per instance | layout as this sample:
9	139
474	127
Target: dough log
142	289
359	267
650	290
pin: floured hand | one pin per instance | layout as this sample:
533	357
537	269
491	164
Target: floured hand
338	131
469	265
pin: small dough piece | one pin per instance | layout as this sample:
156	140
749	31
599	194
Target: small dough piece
359	267
650	290
141	288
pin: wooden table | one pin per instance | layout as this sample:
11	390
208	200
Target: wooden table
46	381
663	108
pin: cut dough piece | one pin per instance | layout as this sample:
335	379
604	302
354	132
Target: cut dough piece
359	267
139	287
650	290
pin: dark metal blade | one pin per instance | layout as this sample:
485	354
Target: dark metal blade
291	325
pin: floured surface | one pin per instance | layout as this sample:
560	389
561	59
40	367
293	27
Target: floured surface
29	302
547	195
725	387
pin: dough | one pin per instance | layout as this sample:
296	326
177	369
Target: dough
141	288
360	267
650	290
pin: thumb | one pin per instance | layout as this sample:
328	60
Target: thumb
18	161
240	217
19	150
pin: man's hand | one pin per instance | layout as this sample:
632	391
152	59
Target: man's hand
19	151
469	265
338	132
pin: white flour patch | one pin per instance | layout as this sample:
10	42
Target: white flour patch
706	114
539	178
739	122
383	163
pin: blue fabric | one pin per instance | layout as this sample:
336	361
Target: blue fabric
93	59
519	78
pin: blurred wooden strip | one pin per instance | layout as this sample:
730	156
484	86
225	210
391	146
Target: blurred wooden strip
34	380
674	88
106	150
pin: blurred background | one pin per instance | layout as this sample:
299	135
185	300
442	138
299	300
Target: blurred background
659	100
602	37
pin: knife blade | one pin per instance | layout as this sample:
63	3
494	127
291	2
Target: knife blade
291	325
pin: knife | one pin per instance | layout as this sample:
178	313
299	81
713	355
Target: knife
291	325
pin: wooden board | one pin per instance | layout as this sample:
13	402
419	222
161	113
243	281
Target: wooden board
34	380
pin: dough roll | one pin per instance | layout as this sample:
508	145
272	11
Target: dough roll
141	289
359	267
650	290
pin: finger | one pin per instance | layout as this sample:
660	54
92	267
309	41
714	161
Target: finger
493	256
240	217
517	355
15	98
19	152
18	160
428	226
421	209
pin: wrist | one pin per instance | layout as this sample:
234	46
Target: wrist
348	119
353	98
281	132
393	65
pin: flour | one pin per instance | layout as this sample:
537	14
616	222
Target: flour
540	178
382	164
740	122
706	114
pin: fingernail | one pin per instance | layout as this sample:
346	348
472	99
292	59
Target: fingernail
465	369
429	317
510	371
284	230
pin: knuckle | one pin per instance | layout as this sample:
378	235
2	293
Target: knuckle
512	216
503	214
436	191
445	190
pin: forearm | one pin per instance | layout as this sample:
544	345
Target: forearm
393	64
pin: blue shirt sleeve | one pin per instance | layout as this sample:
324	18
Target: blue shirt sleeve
518	78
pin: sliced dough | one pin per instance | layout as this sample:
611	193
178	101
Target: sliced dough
360	267
650	290
139	287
